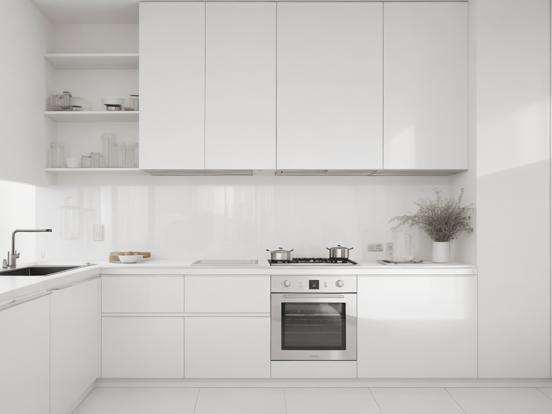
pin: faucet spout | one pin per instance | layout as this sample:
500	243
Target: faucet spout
14	254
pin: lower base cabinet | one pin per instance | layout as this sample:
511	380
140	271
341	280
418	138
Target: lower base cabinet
417	327
25	357
75	344
143	347
227	347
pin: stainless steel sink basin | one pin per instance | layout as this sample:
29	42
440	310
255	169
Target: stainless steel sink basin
37	270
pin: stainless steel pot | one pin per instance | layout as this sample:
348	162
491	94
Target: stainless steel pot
339	252
280	254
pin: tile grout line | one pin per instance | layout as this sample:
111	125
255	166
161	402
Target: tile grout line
197	400
375	400
543	393
455	401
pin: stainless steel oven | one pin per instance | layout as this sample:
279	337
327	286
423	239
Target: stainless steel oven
313	318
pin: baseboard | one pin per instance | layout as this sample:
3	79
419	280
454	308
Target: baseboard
325	383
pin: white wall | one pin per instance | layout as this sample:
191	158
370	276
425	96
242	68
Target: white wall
25	35
513	186
232	217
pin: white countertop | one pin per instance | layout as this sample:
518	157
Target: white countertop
15	287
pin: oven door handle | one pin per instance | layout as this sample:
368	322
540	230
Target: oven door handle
311	296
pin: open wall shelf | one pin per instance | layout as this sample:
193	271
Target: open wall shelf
93	116
93	60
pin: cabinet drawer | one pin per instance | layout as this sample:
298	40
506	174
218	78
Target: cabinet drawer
143	347
227	347
142	294
228	294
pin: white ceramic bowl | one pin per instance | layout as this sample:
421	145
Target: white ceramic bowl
131	259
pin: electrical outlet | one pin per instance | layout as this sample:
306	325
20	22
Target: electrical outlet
375	247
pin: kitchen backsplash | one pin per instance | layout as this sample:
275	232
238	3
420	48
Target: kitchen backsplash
191	218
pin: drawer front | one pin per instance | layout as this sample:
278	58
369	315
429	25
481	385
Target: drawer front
228	294
227	347
143	347
142	294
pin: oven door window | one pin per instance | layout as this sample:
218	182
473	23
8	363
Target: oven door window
313	326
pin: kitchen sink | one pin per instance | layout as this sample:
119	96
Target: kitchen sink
37	270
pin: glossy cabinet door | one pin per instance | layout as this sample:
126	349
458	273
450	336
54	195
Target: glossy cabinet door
240	117
330	79
426	85
143	347
142	294
417	326
75	344
25	358
172	85
227	347
227	294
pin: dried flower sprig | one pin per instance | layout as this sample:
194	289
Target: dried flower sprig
442	218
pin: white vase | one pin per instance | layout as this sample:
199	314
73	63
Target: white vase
441	252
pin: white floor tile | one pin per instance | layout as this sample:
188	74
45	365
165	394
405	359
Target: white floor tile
547	391
330	401
502	400
415	401
140	401
240	401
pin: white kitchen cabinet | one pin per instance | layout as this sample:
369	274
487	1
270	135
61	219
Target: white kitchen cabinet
227	294
142	294
142	347
417	326
426	85
240	86
227	347
330	85
25	357
75	344
172	85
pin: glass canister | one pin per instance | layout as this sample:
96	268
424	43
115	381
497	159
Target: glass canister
402	246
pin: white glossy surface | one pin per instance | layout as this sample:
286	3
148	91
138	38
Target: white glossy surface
228	294
142	294
426	87
191	218
420	327
240	117
172	85
330	85
75	344
24	358
227	347
513	186
146	347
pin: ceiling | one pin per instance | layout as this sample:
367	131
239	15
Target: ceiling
111	11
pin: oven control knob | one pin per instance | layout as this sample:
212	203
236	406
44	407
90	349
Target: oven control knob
340	283
287	283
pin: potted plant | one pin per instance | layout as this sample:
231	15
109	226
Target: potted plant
442	219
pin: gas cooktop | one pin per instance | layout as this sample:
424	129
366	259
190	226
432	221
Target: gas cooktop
310	261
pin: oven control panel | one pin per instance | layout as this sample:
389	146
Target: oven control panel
314	284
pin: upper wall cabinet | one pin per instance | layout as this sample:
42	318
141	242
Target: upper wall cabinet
425	85
172	85
330	85
241	86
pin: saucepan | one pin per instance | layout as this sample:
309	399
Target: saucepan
280	254
339	252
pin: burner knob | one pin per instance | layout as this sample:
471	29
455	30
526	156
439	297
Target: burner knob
287	283
340	283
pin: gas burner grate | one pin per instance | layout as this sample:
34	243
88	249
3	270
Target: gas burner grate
313	261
